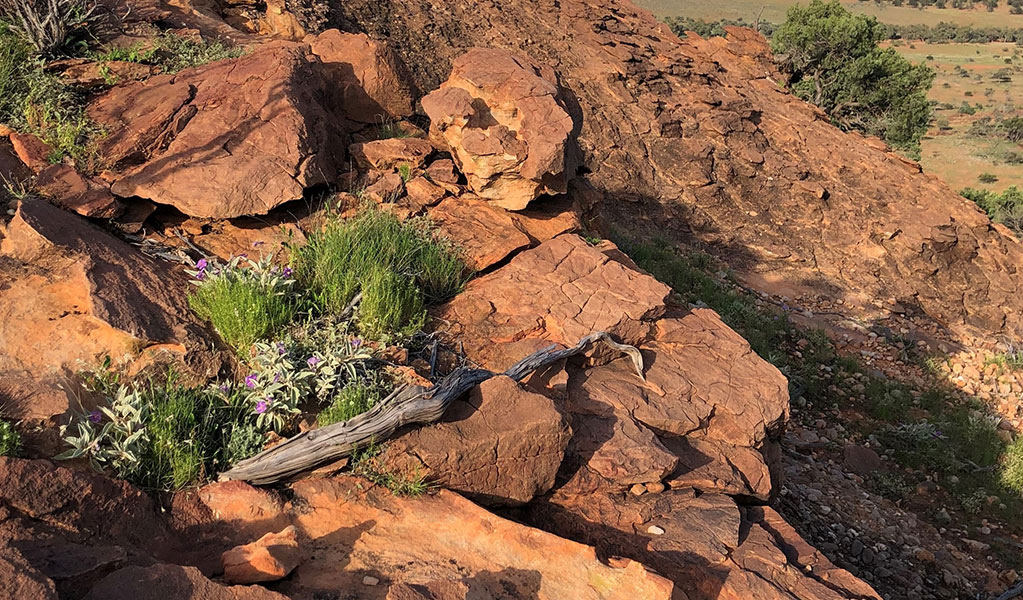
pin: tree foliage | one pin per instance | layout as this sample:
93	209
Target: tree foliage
836	64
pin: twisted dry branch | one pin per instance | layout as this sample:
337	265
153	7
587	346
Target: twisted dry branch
404	406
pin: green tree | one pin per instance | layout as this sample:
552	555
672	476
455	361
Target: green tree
836	64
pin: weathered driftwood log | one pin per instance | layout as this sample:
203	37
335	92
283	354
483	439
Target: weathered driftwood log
405	406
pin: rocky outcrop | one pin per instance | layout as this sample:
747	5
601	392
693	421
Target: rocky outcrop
695	139
227	139
72	294
500	116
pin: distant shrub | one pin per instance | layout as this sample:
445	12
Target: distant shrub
244	300
987	178
1005	208
1013	129
836	64
967	109
10	440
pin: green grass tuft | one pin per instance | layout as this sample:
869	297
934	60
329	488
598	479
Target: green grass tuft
354	399
1012	466
242	310
10	440
387	260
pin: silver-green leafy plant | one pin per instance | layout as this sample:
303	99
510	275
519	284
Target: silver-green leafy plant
286	373
112	436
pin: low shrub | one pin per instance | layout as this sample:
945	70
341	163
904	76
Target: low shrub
285	374
244	300
163	435
10	440
1005	208
987	178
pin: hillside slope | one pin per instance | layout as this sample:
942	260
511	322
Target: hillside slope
698	138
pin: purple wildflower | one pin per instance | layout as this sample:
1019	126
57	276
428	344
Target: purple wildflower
261	407
286	272
281	350
201	276
257	243
225	387
356	342
313	361
277	377
95	416
202	264
250	380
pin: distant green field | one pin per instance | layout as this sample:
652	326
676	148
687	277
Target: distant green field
774	11
957	148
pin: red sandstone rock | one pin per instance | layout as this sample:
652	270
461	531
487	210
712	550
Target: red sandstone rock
32	151
372	80
231	138
161	582
500	115
68	189
557	293
486	235
71	294
269	558
501	445
390	153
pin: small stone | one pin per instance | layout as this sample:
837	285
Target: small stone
370	580
655	530
638	489
655	488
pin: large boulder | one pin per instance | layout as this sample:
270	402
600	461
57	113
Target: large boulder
70	294
373	82
231	138
500	115
501	445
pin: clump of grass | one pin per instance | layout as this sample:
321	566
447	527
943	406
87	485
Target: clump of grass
387	260
10	439
244	303
171	52
176	53
392	306
354	399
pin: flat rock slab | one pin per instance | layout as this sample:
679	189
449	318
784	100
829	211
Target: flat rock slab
556	293
486	235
